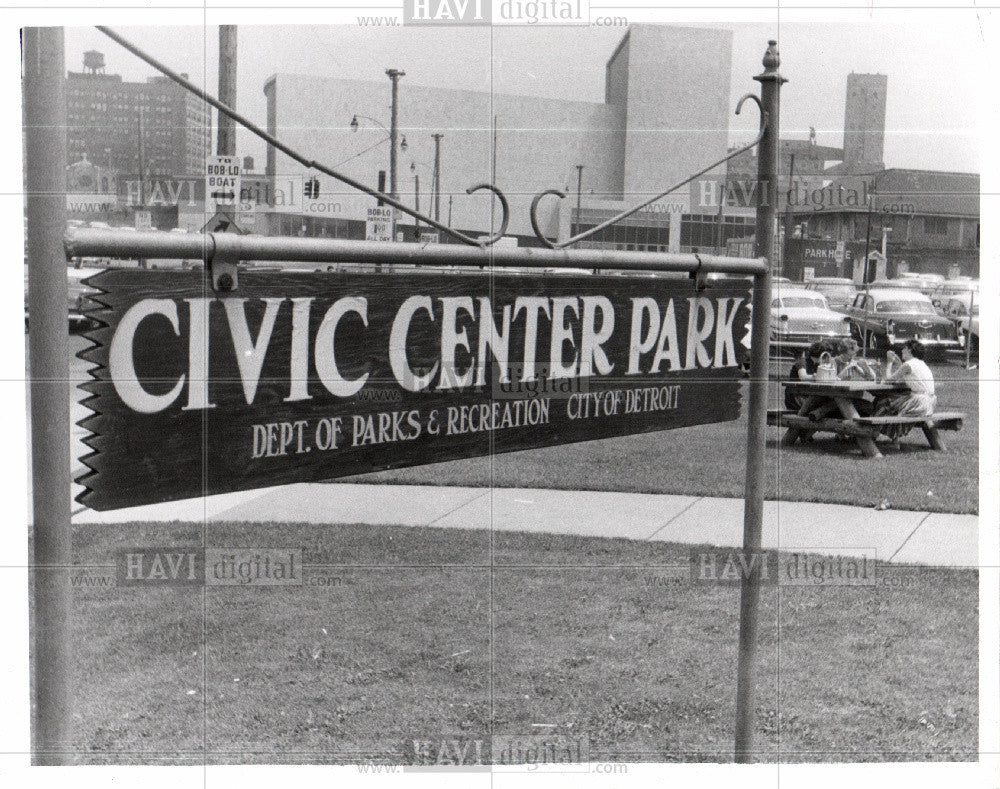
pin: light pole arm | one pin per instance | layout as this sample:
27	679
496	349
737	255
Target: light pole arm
371	120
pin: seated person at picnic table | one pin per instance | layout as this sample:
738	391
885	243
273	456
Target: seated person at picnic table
915	373
804	369
846	362
920	400
851	367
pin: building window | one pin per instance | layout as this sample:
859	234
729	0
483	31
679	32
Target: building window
935	225
705	230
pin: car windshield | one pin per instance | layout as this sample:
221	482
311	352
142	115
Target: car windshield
913	307
802	301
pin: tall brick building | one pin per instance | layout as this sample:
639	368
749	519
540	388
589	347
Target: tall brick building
102	113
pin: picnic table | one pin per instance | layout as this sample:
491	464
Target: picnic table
833	406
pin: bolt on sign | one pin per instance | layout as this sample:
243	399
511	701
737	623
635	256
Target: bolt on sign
302	376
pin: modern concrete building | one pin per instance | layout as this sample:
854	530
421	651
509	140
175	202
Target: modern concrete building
665	115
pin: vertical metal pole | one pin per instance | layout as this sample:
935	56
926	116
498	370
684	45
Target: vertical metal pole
753	510
788	214
579	195
864	268
142	170
227	89
416	205
968	332
48	355
437	176
394	75
140	151
719	220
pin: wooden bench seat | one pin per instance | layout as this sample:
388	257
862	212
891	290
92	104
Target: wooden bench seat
944	420
863	427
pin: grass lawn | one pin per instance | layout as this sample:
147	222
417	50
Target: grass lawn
710	460
420	638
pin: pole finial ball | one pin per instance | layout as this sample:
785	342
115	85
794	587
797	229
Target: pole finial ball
771	57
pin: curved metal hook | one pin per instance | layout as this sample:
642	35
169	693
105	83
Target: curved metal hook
534	215
504	207
650	201
756	100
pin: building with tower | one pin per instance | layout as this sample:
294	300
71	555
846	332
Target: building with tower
104	114
864	123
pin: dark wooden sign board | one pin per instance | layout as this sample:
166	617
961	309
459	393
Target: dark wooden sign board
300	377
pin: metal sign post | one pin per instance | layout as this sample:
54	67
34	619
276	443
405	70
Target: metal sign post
753	512
220	249
968	331
48	354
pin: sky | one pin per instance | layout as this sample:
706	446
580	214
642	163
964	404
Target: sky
934	65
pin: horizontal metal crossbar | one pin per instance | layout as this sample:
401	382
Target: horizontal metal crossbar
229	246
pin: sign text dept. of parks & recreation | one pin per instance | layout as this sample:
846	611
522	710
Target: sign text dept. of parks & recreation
309	376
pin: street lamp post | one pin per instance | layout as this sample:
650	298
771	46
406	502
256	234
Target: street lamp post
355	125
416	187
868	240
416	198
436	183
394	75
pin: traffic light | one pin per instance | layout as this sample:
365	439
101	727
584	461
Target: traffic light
311	189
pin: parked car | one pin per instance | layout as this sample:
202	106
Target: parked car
839	291
800	317
884	318
966	320
952	288
906	283
935	279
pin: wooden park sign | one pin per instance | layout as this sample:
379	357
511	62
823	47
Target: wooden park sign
309	376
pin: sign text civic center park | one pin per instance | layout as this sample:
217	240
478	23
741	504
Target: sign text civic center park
304	376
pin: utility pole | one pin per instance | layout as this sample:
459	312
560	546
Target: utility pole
579	202
142	172
579	195
142	160
719	220
227	89
48	354
788	214
436	185
416	204
394	75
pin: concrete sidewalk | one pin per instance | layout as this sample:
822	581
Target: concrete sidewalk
890	535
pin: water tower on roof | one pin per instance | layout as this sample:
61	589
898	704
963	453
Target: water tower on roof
93	62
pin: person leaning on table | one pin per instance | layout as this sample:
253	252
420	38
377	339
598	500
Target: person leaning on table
921	400
804	369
